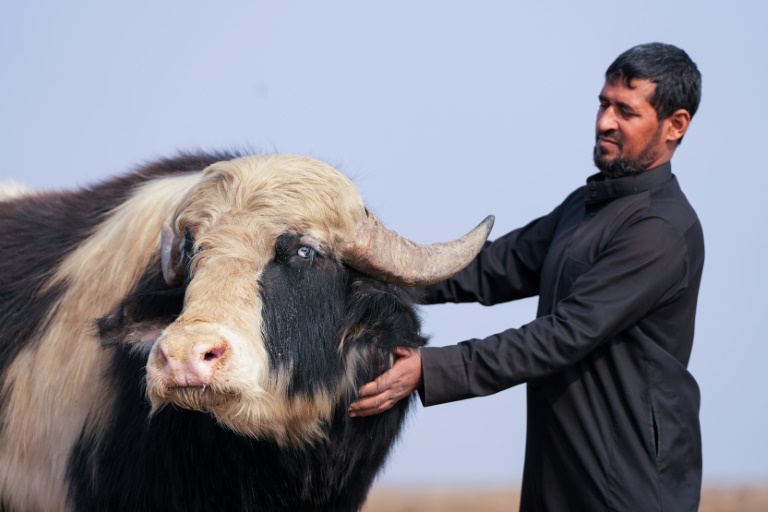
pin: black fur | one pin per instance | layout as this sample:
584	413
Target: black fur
304	306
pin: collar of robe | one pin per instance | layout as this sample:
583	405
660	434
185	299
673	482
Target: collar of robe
599	189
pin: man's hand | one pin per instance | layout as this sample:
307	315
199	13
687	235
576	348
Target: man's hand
391	386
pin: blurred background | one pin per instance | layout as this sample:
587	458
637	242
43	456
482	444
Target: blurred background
441	112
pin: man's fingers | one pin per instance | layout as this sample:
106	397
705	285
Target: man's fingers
370	406
373	388
375	403
368	390
383	382
403	351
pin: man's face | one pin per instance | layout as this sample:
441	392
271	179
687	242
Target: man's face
629	136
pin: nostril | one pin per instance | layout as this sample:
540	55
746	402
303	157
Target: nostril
212	354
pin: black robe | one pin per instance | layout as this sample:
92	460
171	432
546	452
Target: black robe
612	409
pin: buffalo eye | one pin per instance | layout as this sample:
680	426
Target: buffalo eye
306	252
296	249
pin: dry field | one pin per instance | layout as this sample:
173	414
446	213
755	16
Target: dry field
382	499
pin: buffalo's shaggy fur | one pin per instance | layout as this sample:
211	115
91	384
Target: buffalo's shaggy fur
82	299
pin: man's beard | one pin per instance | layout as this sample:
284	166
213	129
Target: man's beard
622	166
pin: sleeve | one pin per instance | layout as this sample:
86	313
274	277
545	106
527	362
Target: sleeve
642	266
506	269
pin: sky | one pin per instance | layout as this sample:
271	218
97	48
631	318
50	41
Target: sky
441	112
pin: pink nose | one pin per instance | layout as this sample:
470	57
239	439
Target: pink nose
190	367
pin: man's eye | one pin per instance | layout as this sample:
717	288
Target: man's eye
627	113
305	251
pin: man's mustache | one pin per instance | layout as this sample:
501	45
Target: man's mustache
611	136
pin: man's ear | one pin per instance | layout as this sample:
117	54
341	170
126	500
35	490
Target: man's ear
677	125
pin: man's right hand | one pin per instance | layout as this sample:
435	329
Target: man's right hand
397	383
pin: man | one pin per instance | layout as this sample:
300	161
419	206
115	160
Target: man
612	410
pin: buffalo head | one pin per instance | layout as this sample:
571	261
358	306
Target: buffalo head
276	267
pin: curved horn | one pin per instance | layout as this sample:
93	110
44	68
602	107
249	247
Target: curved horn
383	254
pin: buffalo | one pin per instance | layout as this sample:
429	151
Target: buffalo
189	336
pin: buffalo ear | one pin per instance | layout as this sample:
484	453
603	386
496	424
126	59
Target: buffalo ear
118	328
140	337
142	316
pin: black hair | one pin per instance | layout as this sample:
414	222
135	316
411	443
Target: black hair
677	79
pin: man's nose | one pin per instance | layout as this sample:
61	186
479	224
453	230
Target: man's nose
606	120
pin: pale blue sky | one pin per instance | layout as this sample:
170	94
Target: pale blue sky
442	112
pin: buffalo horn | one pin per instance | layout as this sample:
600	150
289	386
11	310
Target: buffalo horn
381	253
